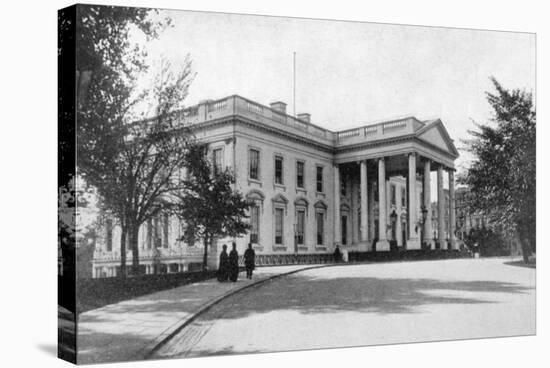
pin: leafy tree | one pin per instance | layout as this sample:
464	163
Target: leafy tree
132	165
103	45
93	56
207	203
141	161
502	177
489	242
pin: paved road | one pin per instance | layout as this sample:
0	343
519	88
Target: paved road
128	330
367	304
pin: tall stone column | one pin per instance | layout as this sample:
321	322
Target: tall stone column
364	202
413	241
452	215
372	235
399	232
337	217
428	204
382	244
354	212
440	209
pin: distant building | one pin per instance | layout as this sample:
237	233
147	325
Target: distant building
435	219
310	188
467	218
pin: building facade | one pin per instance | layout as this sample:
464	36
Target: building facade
468	219
311	189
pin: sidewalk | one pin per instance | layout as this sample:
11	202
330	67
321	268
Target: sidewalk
132	329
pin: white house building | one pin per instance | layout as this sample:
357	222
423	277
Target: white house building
311	188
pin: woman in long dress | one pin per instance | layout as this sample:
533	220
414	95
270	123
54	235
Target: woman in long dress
223	270
234	263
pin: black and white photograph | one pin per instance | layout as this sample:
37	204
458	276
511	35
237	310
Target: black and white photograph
234	183
240	179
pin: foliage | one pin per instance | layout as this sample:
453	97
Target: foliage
132	165
208	204
489	242
103	35
502	177
137	173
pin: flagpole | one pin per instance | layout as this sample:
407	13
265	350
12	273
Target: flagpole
294	90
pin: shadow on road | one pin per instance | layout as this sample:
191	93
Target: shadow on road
308	294
521	264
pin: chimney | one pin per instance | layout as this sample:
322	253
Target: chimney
304	117
279	106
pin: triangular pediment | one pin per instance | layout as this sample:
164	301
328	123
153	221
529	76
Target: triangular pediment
435	134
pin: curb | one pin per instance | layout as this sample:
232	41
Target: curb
175	328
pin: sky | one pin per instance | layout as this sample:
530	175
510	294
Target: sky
350	73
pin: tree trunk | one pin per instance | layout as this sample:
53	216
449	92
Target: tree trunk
524	241
123	251
525	249
205	259
134	233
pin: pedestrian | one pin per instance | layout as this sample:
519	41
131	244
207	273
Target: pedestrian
337	254
249	260
233	263
223	270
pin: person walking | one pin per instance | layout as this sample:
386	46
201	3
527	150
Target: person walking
337	254
249	260
233	263
223	270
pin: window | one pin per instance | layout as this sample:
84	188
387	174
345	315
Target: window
254	162
403	198
278	170
300	225
189	235
109	235
149	234
300	174
343	186
217	160
156	232
344	230
320	222
278	226
319	178
392	194
255	224
165	227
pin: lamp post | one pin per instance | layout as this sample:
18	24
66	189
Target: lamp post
393	217
393	220
461	228
424	216
295	239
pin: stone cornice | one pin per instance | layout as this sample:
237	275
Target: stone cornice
332	149
265	128
370	144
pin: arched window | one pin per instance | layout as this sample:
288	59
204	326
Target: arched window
280	209
320	218
301	210
256	199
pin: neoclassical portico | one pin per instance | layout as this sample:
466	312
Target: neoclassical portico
383	156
